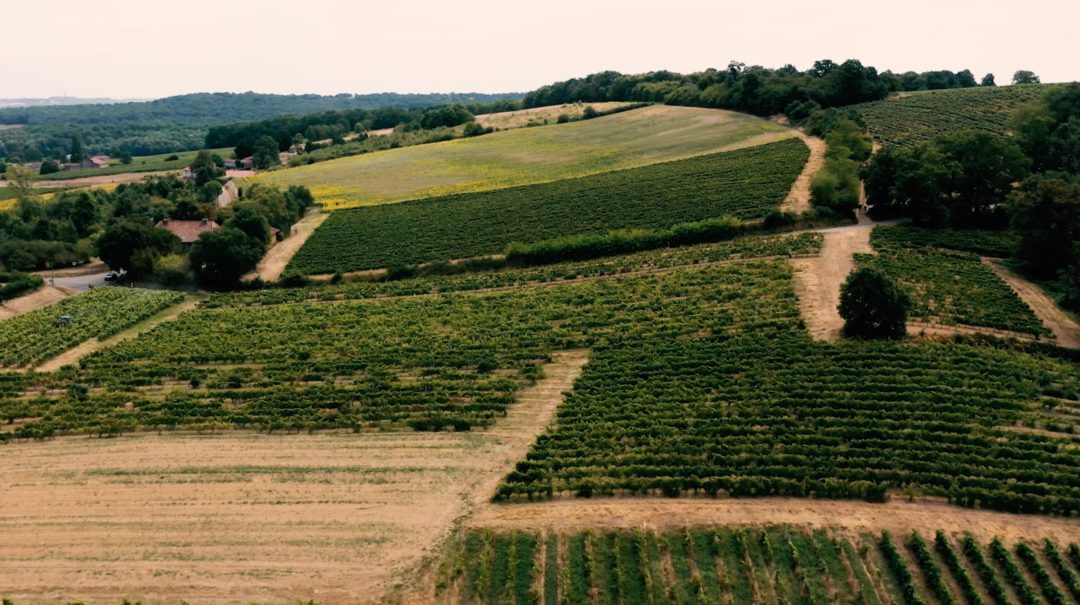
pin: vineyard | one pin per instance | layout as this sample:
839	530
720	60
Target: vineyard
36	336
918	117
950	287
529	155
752	566
749	247
747	184
999	244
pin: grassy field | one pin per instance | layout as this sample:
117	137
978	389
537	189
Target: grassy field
950	286
746	184
749	566
148	163
537	116
912	118
530	155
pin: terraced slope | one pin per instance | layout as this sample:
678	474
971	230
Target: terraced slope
532	155
912	118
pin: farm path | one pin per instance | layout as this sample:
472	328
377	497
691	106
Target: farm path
242	517
818	279
798	199
38	299
93	345
277	258
1065	329
900	517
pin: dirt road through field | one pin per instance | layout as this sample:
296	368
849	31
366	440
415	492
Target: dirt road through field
242	517
818	280
1065	329
900	517
798	199
74	355
277	258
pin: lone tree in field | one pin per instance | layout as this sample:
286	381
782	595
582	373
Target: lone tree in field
1026	77
873	306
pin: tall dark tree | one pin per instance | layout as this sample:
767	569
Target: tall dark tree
134	247
77	151
1045	212
251	223
203	168
873	306
1026	77
265	153
988	80
221	257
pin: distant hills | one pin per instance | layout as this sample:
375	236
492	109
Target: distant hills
51	101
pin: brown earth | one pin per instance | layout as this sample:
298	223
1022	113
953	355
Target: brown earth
72	356
1065	329
798	199
900	517
277	258
40	298
243	517
91	268
818	279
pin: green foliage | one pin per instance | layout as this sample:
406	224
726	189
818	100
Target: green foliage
1016	578
1046	584
918	118
251	223
873	306
472	129
899	568
1068	576
221	257
135	246
747	184
49	167
930	570
967	587
14	284
998	244
172	269
265	153
946	286
204	169
1045	212
1024	76
36	336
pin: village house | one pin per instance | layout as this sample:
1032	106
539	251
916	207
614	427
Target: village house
187	231
97	161
247	163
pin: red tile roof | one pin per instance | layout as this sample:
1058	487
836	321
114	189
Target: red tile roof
187	231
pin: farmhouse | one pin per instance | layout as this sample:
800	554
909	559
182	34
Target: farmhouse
247	163
187	231
97	161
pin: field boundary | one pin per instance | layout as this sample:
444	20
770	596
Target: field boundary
44	296
818	279
277	258
1065	329
928	515
798	199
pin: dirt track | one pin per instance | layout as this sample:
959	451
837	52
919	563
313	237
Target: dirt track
244	517
277	258
897	516
74	355
1065	330
818	280
798	199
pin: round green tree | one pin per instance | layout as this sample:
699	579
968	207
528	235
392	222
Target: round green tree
873	306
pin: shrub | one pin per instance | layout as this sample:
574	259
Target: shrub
172	269
873	306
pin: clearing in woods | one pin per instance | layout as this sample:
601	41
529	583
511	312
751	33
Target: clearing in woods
240	517
529	155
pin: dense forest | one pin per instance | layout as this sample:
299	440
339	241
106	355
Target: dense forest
179	123
753	89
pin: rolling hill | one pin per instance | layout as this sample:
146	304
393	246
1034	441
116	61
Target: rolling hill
528	156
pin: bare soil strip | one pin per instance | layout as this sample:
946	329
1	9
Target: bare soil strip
900	517
244	517
277	258
818	280
931	331
1065	329
798	199
38	299
74	355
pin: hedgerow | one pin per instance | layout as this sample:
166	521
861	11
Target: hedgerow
13	284
746	184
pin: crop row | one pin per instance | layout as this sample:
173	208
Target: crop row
747	184
100	313
704	565
915	118
668	258
977	241
950	287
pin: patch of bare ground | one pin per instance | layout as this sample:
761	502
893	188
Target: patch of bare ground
40	298
818	280
72	356
1065	329
277	258
93	267
934	331
899	517
243	517
102	179
798	199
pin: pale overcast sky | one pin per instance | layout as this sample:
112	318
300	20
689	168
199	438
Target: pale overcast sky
152	48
